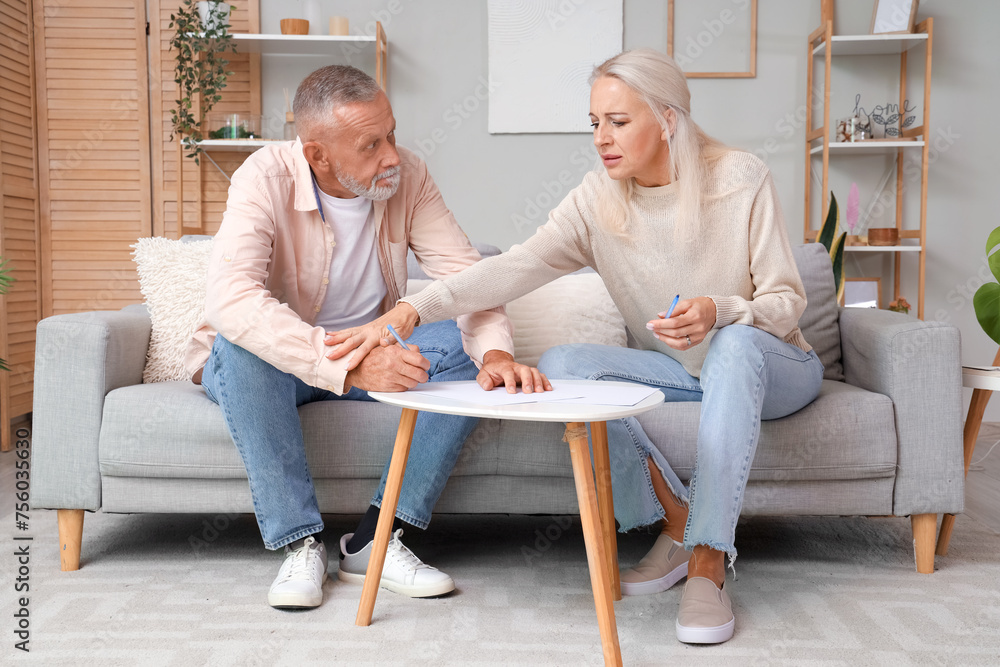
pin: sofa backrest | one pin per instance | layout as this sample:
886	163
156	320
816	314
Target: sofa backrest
414	272
820	322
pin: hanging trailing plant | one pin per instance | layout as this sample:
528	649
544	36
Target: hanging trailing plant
6	280
834	244
200	70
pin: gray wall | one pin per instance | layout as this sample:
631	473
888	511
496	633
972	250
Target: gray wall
501	186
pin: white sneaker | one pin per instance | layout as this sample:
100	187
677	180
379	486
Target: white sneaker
402	573
300	580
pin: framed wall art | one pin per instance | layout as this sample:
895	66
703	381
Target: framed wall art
862	293
713	39
893	16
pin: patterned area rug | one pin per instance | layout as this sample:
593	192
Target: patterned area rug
191	589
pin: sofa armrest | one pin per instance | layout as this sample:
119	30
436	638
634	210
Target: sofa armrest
917	365
79	358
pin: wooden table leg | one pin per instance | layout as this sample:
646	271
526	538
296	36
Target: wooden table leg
393	484
583	474
977	408
606	503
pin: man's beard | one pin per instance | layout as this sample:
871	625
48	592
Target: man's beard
372	191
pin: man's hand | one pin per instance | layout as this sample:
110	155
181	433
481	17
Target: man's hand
690	323
499	368
389	369
367	337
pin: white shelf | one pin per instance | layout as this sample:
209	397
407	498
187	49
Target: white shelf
869	45
866	146
882	248
296	45
236	145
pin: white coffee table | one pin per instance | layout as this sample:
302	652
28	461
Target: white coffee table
597	512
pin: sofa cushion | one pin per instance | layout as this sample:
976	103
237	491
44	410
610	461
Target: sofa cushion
819	322
571	309
575	308
172	430
846	433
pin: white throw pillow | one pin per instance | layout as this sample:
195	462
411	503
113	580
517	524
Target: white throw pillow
572	309
172	277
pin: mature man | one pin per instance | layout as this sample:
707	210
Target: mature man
314	241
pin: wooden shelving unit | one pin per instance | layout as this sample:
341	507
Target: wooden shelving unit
824	44
236	145
268	44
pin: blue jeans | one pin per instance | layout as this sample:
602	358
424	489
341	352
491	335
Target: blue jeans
260	406
748	375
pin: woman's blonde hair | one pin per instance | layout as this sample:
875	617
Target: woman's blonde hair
661	84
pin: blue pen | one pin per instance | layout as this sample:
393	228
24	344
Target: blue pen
670	310
400	340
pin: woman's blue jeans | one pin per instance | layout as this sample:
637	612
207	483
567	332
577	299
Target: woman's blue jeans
260	406
748	375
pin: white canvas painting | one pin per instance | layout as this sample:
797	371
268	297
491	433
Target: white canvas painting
541	54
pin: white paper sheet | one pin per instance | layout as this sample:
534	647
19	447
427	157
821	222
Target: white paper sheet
589	394
602	394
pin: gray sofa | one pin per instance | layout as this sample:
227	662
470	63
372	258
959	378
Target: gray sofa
883	438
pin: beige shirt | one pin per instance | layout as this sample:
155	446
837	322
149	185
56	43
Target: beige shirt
268	273
739	257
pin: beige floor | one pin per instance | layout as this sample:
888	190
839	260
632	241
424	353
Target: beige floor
808	590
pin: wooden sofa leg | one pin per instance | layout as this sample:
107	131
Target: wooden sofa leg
924	532
70	538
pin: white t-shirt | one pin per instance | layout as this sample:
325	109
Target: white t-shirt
356	285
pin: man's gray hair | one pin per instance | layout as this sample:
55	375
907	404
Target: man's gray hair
326	89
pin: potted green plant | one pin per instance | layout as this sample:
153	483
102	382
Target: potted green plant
834	244
986	301
6	280
200	39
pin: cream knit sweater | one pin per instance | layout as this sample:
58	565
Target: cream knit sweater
740	258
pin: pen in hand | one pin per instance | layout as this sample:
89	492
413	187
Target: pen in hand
670	310
396	336
664	315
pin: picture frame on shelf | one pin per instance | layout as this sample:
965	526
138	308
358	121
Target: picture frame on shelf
894	16
862	293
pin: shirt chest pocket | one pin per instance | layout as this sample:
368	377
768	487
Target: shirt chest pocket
397	264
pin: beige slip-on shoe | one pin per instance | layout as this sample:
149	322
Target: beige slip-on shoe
664	565
706	613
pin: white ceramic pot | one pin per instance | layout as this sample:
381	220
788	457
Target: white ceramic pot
205	7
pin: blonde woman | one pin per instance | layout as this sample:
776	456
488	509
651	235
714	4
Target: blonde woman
673	211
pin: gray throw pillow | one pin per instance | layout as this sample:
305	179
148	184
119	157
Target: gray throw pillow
820	321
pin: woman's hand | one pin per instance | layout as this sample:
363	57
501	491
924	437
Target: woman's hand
499	368
691	321
367	337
